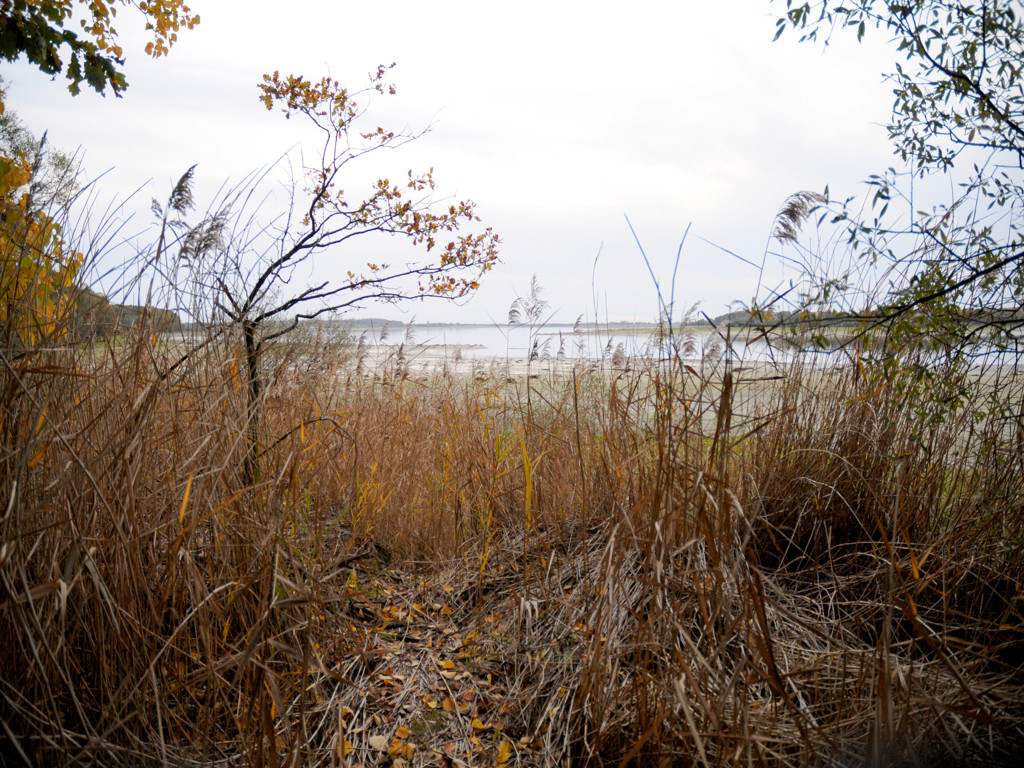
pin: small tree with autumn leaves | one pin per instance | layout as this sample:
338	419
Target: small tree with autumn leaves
251	284
37	268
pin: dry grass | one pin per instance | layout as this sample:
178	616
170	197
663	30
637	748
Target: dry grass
668	566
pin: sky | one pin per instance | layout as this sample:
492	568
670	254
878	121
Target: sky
559	119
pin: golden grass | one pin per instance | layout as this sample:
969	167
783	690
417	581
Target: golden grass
666	566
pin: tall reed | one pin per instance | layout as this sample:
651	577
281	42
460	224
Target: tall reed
685	562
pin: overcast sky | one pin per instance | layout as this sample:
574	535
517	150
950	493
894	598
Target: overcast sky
557	118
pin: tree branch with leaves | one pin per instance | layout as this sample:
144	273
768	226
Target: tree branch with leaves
249	269
948	275
44	31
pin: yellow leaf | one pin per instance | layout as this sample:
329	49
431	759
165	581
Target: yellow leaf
448	704
402	732
447	664
478	724
504	752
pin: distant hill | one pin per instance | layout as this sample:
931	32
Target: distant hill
95	316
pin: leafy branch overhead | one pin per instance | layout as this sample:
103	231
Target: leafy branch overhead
959	84
44	30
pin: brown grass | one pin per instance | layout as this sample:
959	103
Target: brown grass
668	566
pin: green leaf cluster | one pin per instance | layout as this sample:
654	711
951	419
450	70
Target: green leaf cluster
947	277
38	31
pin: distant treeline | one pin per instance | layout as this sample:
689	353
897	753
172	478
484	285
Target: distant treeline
742	318
96	316
797	318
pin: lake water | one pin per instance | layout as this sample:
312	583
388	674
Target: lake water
555	341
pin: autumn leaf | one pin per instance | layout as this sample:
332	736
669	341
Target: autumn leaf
504	752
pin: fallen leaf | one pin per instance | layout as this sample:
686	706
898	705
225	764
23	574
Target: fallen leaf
504	752
402	732
478	724
380	743
449	704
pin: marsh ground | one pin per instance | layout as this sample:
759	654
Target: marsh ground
445	565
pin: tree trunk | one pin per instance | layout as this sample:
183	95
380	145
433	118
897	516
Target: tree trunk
252	416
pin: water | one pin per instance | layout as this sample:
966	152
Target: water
567	341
